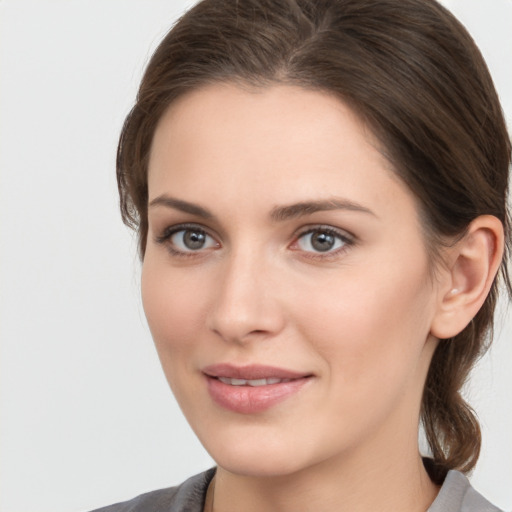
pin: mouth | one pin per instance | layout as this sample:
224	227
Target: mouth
252	382
252	389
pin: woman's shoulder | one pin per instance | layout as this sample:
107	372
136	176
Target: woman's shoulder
457	495
187	497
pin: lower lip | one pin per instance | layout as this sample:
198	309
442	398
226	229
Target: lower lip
252	399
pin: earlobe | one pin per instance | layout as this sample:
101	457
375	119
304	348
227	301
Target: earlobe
473	263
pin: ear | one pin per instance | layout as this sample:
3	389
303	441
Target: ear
471	266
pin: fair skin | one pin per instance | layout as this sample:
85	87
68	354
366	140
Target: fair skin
240	271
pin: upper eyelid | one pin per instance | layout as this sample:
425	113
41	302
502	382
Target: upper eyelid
342	233
159	229
176	228
168	231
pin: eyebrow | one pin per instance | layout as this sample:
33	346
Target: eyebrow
278	213
293	211
184	206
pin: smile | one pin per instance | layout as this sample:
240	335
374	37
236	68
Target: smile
252	389
253	382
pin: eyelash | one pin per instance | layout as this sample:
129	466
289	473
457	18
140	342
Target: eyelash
348	240
165	237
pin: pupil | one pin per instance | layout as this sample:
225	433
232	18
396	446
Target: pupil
322	241
194	239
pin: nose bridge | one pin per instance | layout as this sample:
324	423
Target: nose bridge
245	303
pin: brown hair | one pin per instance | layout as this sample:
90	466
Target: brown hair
413	73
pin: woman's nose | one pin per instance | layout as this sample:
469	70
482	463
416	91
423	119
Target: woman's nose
246	305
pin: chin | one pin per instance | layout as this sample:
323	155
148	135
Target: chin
259	457
260	467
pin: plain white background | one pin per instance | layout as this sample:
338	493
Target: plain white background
87	418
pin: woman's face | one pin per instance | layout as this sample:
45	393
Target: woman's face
286	281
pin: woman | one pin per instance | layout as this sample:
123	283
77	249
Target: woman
319	189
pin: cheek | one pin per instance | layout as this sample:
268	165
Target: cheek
371	339
371	326
173	308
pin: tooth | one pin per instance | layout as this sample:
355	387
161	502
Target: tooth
238	382
257	382
232	382
251	382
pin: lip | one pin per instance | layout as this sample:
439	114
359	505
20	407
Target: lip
247	399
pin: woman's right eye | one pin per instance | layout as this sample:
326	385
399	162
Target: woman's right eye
187	240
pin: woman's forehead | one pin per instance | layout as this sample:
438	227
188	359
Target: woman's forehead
232	151
278	129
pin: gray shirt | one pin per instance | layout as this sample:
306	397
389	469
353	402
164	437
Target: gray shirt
456	495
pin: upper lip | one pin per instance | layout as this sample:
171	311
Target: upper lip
251	372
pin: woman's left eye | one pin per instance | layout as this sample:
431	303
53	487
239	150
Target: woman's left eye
322	240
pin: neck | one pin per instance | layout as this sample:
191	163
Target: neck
394	484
